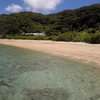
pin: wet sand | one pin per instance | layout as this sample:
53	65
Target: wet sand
87	53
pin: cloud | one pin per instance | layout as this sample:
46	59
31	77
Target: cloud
13	8
41	5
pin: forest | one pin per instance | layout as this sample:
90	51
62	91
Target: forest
79	25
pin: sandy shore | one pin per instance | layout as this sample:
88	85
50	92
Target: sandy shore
89	53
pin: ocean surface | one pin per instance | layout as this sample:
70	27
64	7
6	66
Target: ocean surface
31	75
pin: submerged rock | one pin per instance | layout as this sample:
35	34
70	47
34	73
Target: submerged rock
5	83
46	94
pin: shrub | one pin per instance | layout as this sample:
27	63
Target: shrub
82	37
64	37
91	30
95	38
52	37
29	37
3	36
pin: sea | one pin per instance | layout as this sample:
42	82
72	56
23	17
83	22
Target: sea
32	75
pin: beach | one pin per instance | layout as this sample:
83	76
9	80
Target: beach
87	53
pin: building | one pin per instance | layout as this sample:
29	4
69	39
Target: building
35	34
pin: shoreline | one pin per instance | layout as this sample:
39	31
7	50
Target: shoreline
83	52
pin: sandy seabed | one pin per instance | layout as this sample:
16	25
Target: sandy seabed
88	53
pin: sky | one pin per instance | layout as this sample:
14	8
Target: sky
42	6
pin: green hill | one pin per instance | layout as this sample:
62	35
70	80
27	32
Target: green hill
83	19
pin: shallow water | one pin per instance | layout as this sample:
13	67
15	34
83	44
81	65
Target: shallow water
29	75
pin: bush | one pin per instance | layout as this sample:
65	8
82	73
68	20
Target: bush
3	36
82	37
91	30
29	37
87	37
75	36
95	38
65	37
52	37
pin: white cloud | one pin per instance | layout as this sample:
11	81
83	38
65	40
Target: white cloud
41	5
13	8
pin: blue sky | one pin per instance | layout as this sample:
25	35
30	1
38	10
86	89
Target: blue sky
42	6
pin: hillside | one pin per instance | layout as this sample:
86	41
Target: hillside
68	20
83	19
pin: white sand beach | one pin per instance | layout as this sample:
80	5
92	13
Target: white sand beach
87	53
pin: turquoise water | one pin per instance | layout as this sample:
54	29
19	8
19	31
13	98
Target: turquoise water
29	75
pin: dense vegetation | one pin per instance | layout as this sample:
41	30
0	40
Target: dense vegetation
81	24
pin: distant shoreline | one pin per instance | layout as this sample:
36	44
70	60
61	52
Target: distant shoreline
87	53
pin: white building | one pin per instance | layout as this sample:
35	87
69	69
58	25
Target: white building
35	34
